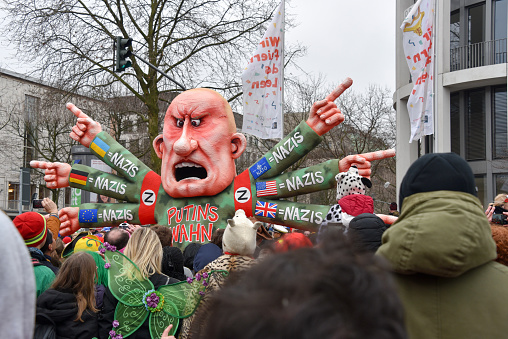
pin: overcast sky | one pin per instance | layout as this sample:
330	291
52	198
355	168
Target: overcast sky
343	37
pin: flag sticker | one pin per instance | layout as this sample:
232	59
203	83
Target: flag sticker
266	209
99	146
88	215
259	168
266	188
78	177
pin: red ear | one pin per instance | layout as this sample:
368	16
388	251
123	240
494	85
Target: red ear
238	145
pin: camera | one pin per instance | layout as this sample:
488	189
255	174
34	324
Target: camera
123	225
37	203
500	219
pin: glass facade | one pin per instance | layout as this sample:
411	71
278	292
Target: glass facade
475	125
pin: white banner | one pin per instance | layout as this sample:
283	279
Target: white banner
262	83
417	35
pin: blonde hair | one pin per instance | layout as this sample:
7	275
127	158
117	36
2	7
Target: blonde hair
145	250
499	199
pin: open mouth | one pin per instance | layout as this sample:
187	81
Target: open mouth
189	170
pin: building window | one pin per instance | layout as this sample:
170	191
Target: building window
476	24
501	183
13	196
481	186
455	29
455	122
500	122
475	125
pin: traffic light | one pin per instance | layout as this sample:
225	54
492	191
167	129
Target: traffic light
122	53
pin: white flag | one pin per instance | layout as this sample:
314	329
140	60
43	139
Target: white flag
417	35
262	83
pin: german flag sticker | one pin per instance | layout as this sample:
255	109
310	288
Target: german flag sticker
78	177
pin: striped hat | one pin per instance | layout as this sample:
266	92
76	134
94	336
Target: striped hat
32	227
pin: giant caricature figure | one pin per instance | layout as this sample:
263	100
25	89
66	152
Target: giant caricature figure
198	189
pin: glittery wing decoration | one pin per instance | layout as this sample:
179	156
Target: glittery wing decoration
160	320
130	312
124	276
185	296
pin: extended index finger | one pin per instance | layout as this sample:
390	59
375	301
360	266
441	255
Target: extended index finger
378	155
76	111
340	89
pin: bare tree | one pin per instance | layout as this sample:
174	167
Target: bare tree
369	126
198	42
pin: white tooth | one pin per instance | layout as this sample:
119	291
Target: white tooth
187	164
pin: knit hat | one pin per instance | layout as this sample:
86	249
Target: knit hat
206	254
66	239
240	235
32	227
292	241
437	172
172	262
365	231
189	253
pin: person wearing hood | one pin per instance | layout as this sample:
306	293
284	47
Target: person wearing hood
442	252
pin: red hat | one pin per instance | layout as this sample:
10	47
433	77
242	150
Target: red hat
66	239
32	227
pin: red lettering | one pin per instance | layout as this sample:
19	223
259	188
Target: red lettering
275	41
194	233
183	233
255	84
208	234
268	83
416	56
171	214
215	215
176	230
202	214
264	57
263	84
179	216
275	83
187	208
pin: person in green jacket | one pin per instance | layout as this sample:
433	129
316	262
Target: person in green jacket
442	252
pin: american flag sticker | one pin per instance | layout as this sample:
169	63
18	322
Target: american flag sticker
266	209
266	188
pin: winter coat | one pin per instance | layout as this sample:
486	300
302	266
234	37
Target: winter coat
107	313
442	250
61	307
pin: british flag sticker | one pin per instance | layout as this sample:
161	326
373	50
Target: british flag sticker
266	209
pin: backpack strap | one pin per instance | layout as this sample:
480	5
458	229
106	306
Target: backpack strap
36	262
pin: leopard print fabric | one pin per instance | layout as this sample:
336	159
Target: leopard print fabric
226	262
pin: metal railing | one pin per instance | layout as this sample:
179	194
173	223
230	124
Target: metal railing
477	55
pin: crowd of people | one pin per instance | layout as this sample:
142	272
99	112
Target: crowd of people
437	272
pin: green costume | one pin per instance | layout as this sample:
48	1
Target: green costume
256	190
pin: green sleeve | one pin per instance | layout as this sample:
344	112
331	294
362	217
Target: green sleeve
117	157
93	180
292	214
306	180
289	150
44	277
111	214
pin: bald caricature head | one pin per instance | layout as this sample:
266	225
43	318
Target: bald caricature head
198	145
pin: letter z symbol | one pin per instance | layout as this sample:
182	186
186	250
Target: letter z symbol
148	197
